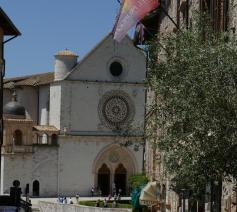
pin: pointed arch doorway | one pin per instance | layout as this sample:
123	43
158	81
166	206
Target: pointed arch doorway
120	179
104	179
118	163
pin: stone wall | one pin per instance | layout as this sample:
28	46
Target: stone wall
54	207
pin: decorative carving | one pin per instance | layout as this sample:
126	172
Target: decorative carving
116	109
113	157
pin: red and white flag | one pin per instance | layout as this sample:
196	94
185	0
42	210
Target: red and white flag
131	13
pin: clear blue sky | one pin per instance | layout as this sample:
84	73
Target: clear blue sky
48	26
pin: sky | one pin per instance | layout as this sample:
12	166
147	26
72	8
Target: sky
48	26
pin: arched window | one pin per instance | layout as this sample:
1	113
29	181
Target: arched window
44	139
54	140
17	138
36	188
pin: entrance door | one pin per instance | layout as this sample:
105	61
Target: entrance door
36	187
120	179
104	180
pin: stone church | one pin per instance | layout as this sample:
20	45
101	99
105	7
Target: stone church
64	131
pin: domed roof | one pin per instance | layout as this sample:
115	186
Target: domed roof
66	52
13	108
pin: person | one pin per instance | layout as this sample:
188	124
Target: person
105	203
70	200
97	204
119	197
115	197
114	188
109	197
120	191
65	200
114	204
92	191
77	198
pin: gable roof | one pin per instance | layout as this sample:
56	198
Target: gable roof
30	80
97	46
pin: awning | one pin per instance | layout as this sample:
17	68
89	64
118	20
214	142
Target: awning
150	194
46	128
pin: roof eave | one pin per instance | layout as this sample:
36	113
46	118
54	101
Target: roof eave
8	27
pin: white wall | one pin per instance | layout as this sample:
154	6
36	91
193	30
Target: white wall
28	97
55	105
77	156
41	166
95	66
80	102
54	207
43	105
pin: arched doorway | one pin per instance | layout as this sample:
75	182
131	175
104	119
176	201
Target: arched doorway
17	138
36	188
120	179
104	179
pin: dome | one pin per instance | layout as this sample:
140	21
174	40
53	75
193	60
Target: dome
13	108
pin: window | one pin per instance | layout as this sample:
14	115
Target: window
218	12
44	139
17	138
116	69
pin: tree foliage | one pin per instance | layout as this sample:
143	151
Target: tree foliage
195	104
137	180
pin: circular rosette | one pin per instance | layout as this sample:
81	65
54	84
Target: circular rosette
116	110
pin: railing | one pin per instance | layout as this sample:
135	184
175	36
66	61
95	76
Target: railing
26	206
17	149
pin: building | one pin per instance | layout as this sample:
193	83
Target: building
168	18
64	129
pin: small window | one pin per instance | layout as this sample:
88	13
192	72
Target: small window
116	69
17	138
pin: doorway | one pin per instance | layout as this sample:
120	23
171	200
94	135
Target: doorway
104	180
36	188
120	179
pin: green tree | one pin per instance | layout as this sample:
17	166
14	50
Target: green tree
194	107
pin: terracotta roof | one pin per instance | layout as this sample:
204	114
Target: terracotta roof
66	52
45	128
31	80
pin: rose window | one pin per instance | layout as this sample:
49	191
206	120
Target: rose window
116	109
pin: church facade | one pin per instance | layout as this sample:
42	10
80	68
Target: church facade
64	132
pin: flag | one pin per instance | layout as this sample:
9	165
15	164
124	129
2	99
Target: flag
139	34
132	11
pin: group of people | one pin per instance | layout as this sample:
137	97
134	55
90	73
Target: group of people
65	200
115	200
95	191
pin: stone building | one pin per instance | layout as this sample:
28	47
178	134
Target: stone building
171	15
63	130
